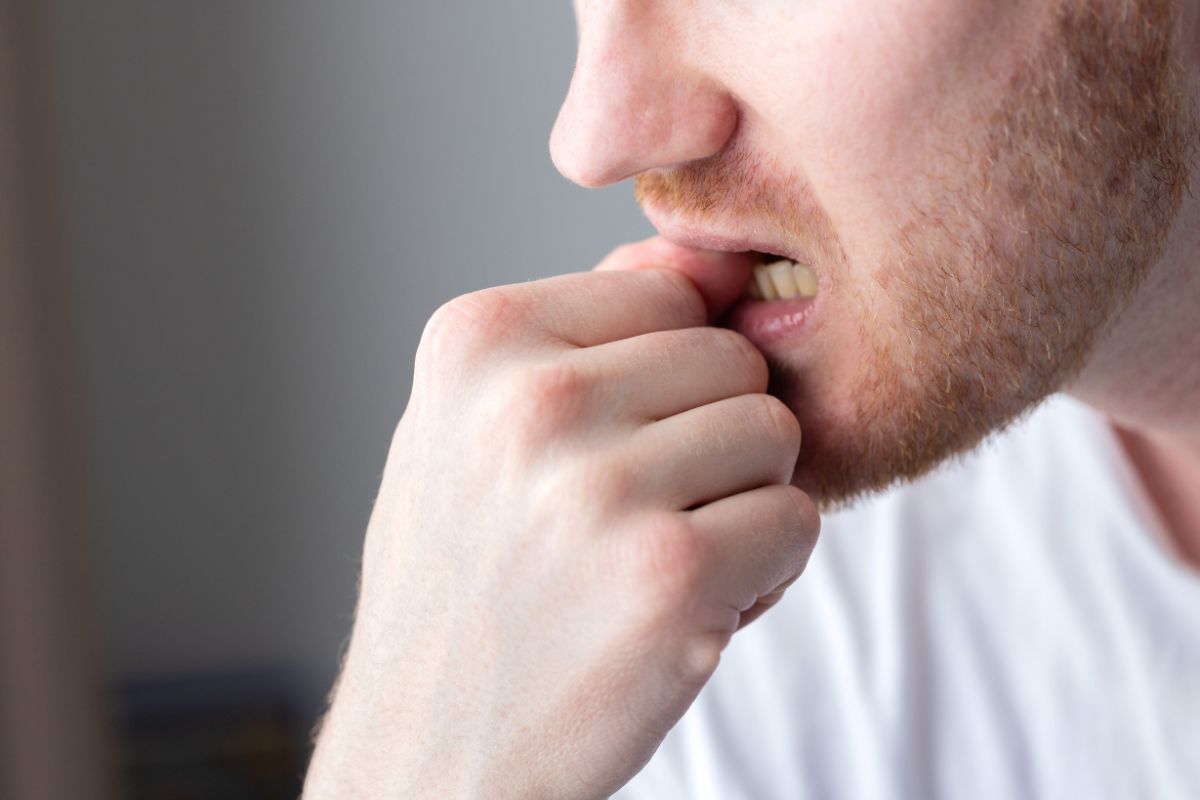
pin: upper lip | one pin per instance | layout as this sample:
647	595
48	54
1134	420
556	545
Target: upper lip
686	234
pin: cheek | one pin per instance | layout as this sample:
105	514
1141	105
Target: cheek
868	98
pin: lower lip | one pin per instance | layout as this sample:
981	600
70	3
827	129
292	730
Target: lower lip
767	321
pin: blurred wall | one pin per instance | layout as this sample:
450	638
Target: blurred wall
266	199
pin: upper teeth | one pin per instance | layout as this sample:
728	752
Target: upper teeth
781	280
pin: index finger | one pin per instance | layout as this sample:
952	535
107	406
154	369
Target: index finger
590	308
720	276
642	287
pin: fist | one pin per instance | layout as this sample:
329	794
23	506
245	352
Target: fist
588	494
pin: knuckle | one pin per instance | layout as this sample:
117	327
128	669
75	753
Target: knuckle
541	401
804	523
679	295
743	356
620	258
620	252
611	484
776	415
554	388
591	488
701	656
670	562
471	325
803	511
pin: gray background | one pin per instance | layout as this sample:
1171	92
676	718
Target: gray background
265	201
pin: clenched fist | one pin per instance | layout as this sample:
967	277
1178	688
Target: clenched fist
587	495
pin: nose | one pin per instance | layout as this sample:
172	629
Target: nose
635	103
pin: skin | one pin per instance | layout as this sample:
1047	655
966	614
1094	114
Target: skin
586	496
959	217
592	488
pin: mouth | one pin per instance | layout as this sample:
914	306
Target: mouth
778	275
780	298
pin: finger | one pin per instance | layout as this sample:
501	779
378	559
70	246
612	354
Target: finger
657	375
762	541
721	277
715	451
763	603
590	308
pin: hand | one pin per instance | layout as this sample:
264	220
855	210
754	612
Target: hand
586	496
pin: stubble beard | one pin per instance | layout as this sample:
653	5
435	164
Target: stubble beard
1040	225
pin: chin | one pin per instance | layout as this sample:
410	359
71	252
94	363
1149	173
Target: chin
865	432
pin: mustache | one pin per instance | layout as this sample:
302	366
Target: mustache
738	187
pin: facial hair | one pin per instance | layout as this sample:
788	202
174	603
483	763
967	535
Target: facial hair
1040	223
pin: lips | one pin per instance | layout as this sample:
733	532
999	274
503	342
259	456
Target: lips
765	247
765	322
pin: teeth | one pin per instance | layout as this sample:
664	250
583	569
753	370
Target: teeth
782	280
806	280
762	281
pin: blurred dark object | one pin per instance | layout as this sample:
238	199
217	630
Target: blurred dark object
233	737
53	738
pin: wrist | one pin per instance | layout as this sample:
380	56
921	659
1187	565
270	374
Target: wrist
377	741
354	754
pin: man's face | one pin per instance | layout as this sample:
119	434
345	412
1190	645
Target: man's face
978	185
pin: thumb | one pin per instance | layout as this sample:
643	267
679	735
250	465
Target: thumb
719	276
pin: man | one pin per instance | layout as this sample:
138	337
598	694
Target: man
966	206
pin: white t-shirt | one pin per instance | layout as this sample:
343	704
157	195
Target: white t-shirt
1012	626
